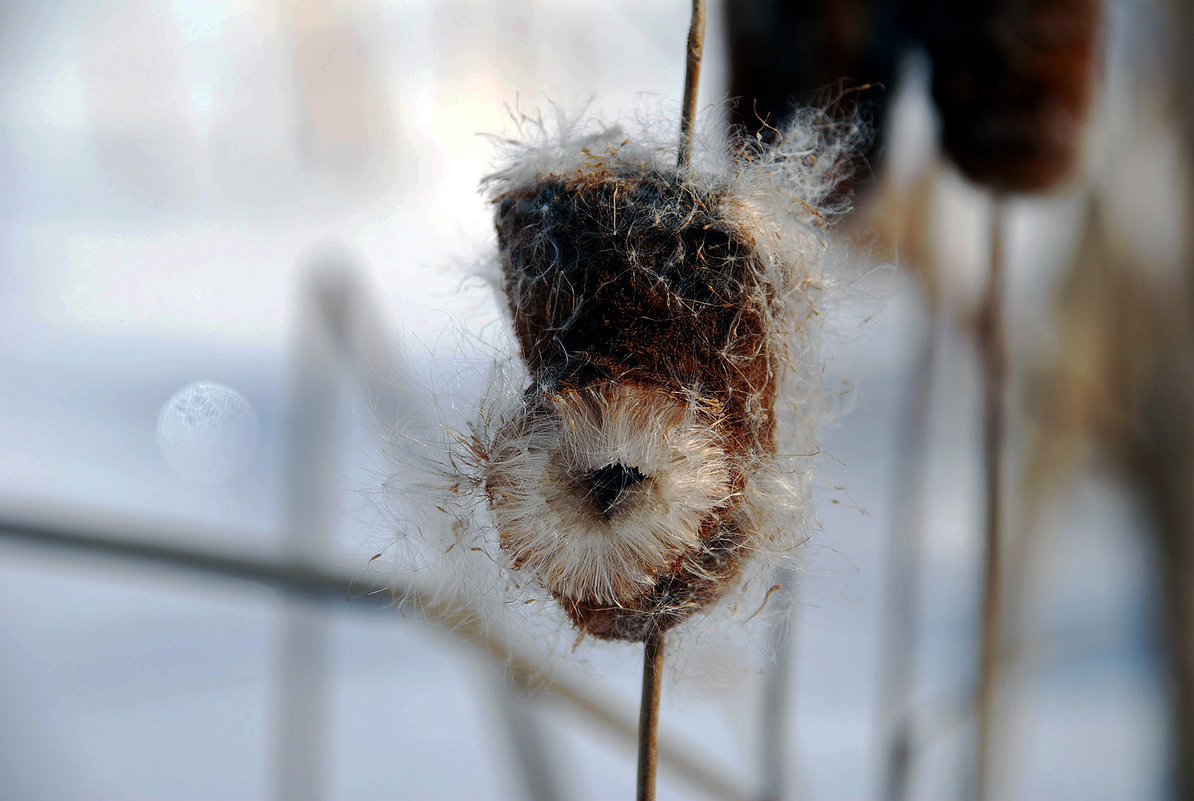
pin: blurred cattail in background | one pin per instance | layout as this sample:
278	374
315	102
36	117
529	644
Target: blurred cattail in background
1116	394
1012	84
785	56
1012	81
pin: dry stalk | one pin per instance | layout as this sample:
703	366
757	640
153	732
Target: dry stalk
993	355
648	717
903	575
692	79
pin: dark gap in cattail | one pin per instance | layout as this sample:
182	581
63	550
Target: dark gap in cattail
609	484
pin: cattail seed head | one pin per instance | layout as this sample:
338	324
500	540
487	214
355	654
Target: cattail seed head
657	310
640	310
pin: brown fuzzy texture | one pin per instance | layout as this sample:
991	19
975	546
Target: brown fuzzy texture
695	582
639	278
1012	80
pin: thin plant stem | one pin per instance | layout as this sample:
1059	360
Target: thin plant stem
903	573
993	351
1176	523
648	716
692	79
301	686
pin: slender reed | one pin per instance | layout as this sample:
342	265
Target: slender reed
1179	523
993	355
904	576
648	718
692	79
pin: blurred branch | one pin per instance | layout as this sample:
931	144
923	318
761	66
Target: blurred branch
903	575
136	544
993	358
311	467
529	741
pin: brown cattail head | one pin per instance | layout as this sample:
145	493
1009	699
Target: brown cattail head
654	308
1012	80
633	296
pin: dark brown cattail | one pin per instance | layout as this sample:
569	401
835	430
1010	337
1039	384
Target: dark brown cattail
787	54
656	310
1012	80
640	308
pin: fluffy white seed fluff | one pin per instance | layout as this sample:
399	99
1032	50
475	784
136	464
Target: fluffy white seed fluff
539	482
